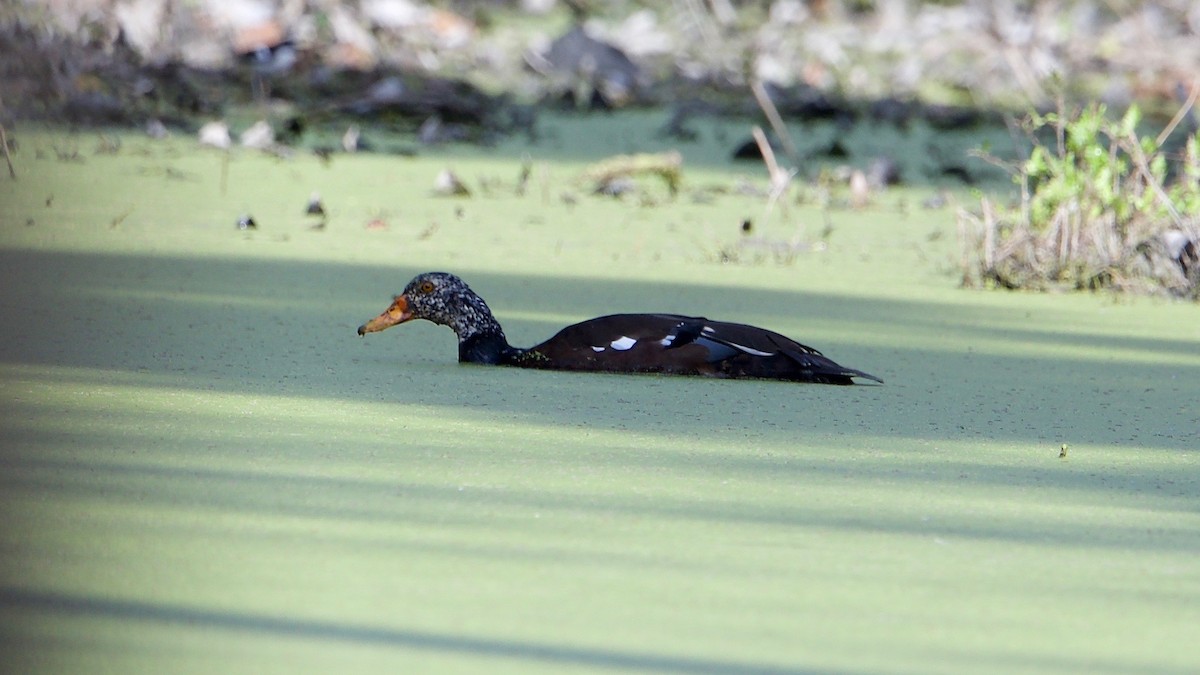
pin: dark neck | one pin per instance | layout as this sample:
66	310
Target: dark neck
486	348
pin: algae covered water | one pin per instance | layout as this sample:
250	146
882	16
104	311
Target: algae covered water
198	449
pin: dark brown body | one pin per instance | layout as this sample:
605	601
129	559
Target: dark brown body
629	343
696	346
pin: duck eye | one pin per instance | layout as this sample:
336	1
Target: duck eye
426	287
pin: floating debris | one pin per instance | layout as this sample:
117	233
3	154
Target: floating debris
523	178
428	232
351	138
617	186
246	222
259	136
108	145
315	207
448	184
157	130
120	218
607	172
860	189
215	134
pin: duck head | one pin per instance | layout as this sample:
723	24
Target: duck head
446	300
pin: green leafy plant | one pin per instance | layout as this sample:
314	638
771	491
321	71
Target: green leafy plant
1101	207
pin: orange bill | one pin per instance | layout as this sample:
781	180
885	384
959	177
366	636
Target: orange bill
396	313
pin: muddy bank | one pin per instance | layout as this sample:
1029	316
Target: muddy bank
99	61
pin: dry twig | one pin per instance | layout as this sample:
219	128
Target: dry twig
7	157
1179	114
780	179
772	113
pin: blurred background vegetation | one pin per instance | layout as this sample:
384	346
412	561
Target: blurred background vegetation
1008	54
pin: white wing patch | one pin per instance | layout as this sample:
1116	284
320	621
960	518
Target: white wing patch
622	343
666	342
597	349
